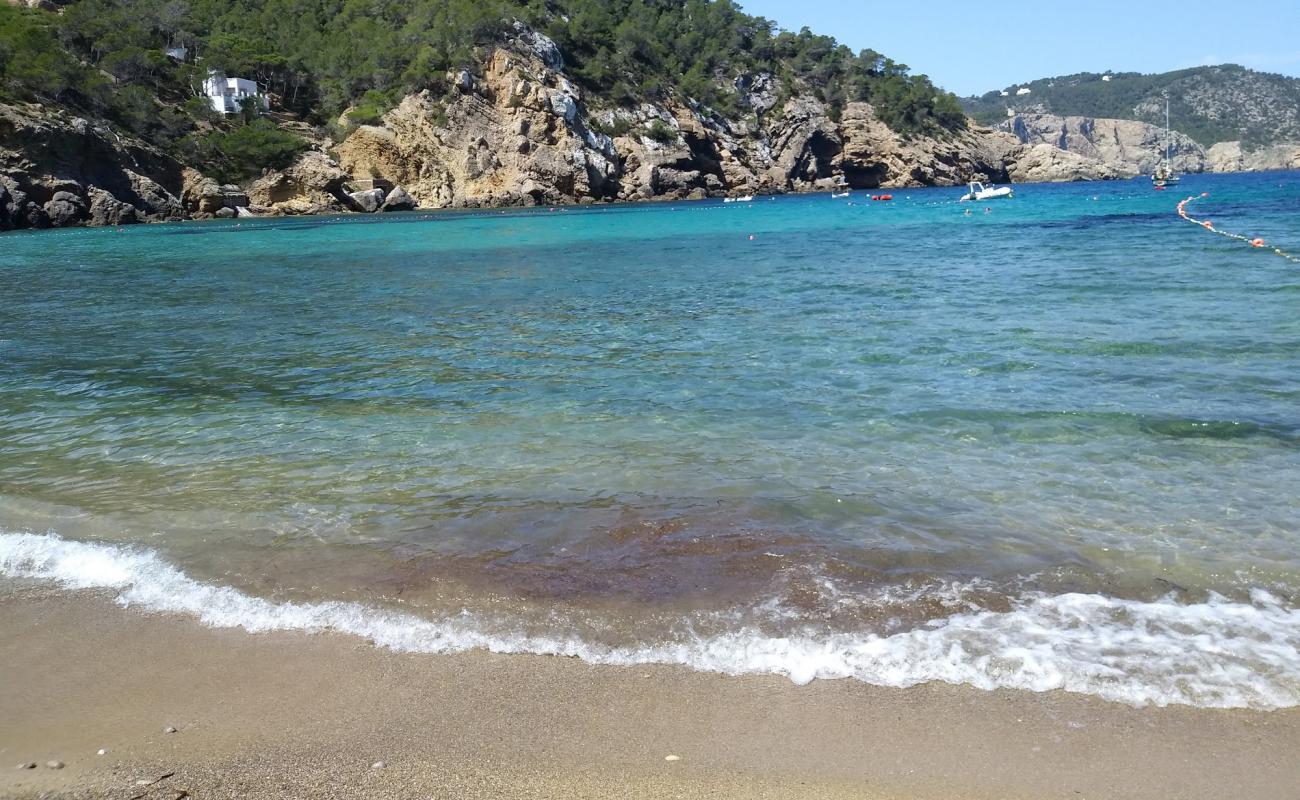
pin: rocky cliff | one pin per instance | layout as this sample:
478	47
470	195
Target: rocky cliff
1232	157
1128	147
1211	104
59	169
519	131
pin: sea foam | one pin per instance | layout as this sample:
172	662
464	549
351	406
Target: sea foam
1219	653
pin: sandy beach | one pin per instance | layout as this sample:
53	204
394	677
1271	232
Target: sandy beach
298	715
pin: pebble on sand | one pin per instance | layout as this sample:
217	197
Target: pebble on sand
101	751
672	758
54	764
378	765
27	765
169	729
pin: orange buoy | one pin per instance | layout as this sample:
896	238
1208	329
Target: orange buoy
1207	224
1257	242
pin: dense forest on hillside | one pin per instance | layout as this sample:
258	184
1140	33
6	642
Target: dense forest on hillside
1209	104
318	57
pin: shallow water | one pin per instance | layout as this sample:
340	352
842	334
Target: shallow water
1054	445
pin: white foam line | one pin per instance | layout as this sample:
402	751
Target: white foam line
1219	653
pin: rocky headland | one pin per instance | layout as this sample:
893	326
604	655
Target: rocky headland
519	131
1125	148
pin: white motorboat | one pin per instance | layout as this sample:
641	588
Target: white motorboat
836	196
743	199
978	192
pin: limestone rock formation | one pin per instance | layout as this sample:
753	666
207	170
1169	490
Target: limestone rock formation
202	197
398	200
55	167
314	184
368	200
521	133
1126	146
105	209
1233	157
1045	163
64	209
200	194
515	136
515	130
875	156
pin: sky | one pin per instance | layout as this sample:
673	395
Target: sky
974	46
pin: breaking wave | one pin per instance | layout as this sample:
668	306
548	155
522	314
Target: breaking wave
1218	653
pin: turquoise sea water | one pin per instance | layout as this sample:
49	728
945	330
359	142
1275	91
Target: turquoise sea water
799	435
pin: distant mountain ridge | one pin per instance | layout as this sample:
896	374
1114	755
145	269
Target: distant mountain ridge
1223	103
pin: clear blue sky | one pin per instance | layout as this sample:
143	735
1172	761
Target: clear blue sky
971	47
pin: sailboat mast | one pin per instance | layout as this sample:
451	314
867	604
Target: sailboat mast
1168	141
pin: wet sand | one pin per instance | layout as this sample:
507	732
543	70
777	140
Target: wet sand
296	715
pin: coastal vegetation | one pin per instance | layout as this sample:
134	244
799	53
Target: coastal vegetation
1210	104
141	63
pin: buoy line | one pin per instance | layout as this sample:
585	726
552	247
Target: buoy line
1209	226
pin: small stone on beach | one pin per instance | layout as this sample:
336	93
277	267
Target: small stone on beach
54	764
169	729
27	765
672	758
101	752
378	765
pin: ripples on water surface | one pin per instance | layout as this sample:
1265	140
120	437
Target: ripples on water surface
1062	438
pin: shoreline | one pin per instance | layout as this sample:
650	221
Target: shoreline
306	715
596	203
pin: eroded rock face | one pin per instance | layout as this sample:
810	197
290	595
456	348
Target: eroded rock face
64	209
200	194
1233	157
875	156
46	152
1125	146
521	134
368	200
518	131
1046	163
516	136
398	200
105	209
314	184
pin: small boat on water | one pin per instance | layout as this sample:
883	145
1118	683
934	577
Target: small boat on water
840	189
742	199
1164	174
837	195
978	192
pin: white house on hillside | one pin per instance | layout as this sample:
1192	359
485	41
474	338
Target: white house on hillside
228	95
